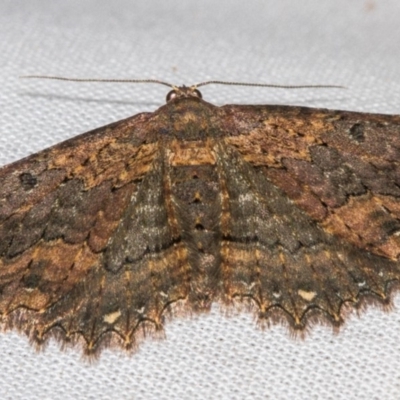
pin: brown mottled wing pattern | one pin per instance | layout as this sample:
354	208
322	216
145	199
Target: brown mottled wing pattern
67	264
294	209
314	203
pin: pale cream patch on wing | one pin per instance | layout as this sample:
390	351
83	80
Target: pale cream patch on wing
306	295
112	317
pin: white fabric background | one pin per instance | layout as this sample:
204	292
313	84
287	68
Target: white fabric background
354	43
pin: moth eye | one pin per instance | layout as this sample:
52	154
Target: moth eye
197	93
171	95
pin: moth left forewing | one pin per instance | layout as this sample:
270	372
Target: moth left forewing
341	171
58	209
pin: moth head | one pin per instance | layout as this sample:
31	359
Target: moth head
183	91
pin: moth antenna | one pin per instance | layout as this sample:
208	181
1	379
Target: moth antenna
61	78
268	85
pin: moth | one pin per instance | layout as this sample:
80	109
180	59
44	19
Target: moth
291	212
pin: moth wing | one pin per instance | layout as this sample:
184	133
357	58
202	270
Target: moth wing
318	225
68	217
